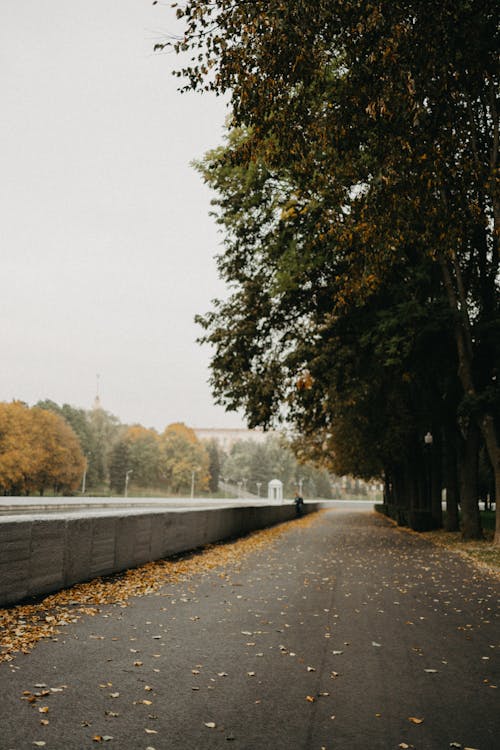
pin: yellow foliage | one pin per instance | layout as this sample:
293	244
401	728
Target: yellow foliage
38	451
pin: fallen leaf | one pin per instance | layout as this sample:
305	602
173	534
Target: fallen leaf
114	695
310	698
44	722
151	731
377	645
210	724
415	720
311	669
39	743
43	710
430	671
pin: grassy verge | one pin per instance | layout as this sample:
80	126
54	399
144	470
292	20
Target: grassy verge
483	553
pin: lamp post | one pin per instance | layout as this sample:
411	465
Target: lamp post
127	474
192	483
84	478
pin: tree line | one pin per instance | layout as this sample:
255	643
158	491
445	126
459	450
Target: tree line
358	195
66	450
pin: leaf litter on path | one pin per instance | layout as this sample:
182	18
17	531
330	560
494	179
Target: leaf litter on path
24	625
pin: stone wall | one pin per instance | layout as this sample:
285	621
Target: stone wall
39	555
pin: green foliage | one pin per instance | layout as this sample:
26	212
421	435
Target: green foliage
214	465
256	464
119	465
362	162
184	460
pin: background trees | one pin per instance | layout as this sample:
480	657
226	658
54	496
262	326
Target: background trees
38	452
358	193
251	466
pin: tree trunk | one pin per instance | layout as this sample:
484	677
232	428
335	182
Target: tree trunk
451	480
469	485
493	448
436	484
464	344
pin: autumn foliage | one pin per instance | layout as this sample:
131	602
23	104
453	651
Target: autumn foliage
358	192
39	451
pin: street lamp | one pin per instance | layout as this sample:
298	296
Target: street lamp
84	479
127	474
192	483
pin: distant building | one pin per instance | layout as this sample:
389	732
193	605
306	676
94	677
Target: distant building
227	437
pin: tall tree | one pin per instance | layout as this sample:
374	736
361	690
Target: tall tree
380	126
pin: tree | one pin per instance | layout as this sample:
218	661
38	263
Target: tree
80	422
184	460
105	430
144	455
256	464
38	451
377	130
214	464
119	466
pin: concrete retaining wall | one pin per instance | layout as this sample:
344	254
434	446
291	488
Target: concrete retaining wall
42	555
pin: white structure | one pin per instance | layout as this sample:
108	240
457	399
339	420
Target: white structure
275	491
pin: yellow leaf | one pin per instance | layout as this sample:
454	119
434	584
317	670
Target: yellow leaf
414	720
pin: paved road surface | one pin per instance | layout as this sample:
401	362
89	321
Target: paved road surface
334	636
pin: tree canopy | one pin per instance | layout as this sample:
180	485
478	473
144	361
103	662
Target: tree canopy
358	191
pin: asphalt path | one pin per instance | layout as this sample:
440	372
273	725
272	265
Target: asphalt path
344	633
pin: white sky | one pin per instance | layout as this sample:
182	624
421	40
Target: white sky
106	243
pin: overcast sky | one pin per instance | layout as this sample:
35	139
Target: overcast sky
106	243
